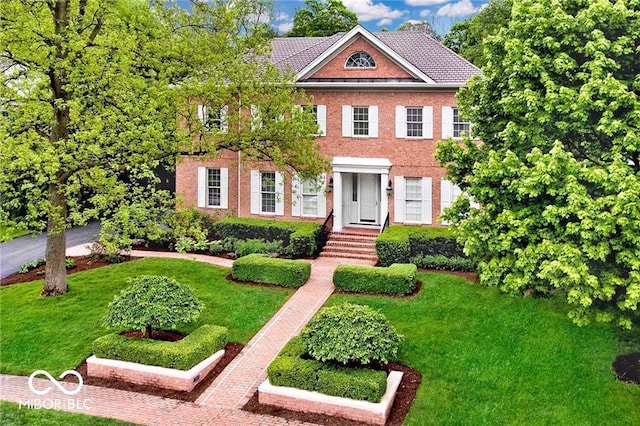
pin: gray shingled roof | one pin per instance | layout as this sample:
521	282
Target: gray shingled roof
428	55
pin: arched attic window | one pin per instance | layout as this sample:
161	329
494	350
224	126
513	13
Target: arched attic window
360	60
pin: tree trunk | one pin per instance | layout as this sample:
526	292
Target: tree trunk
149	331
55	281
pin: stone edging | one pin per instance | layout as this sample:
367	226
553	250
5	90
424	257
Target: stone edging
315	402
151	375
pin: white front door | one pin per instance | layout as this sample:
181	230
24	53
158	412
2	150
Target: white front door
369	200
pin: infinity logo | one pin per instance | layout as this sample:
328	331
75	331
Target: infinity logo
55	382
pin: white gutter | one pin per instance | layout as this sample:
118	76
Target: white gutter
371	85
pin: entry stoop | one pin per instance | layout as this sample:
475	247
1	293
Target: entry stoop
352	243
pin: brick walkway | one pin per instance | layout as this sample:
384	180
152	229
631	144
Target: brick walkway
220	404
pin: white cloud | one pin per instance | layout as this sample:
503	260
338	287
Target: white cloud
424	2
456	10
424	13
281	17
285	27
385	21
367	11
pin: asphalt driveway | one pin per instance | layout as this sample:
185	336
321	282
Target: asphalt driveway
29	248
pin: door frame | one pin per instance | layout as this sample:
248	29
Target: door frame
342	165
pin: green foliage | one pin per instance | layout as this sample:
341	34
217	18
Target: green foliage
355	383
153	302
422	26
257	245
292	368
322	18
395	279
267	270
444	263
468	38
398	244
69	263
350	333
108	95
558	172
294	372
182	355
300	239
26	267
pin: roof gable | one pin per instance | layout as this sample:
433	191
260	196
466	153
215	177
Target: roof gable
415	53
334	66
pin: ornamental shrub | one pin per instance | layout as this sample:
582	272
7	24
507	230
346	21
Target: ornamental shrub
444	263
355	383
349	333
262	269
153	302
299	239
399	278
182	355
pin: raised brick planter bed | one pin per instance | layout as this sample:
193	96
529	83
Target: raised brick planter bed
150	375
315	402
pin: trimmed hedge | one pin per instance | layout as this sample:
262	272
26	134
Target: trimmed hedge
354	383
398	244
444	263
399	278
267	270
182	355
300	239
291	369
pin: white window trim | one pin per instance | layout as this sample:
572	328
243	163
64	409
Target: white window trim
203	116
203	188
401	122
321	119
400	199
256	193
297	198
347	121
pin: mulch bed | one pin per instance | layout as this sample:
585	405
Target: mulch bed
627	367
164	335
83	263
404	398
231	351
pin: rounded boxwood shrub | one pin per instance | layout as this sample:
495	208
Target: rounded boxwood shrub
351	334
153	301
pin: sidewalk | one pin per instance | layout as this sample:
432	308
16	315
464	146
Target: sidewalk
221	403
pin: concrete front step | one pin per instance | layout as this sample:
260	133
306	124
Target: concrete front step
350	243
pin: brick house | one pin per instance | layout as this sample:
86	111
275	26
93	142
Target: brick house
382	101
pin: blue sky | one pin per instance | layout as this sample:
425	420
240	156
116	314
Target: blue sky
377	14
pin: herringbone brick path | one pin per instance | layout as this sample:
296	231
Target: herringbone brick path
220	404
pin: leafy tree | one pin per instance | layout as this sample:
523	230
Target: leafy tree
558	170
153	302
468	37
92	89
422	26
349	333
322	18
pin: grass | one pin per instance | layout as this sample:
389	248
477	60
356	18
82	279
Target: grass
55	334
8	233
13	414
487	358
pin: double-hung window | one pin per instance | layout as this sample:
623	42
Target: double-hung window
460	126
308	197
414	122
360	121
213	184
267	192
413	200
213	118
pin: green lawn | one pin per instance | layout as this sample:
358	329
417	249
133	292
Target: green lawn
55	334
13	414
488	358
